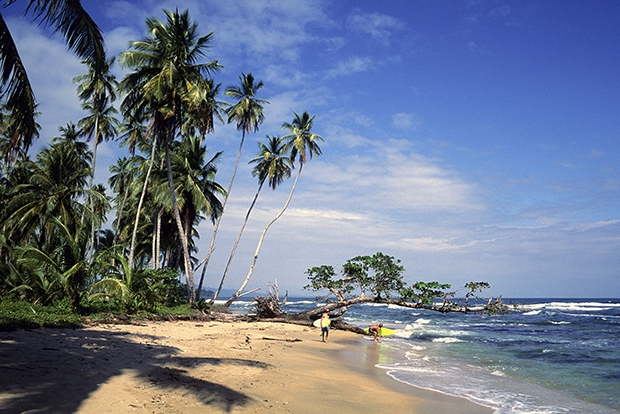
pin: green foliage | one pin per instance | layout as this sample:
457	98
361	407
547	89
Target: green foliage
425	292
321	277
381	277
144	290
472	288
378	275
21	314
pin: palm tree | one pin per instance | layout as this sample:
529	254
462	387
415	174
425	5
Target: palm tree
123	174
300	142
198	191
167	78
100	205
54	188
272	164
98	92
82	36
202	115
248	114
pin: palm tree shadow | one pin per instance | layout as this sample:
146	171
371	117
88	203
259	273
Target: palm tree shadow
55	370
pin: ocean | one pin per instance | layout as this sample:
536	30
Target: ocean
544	356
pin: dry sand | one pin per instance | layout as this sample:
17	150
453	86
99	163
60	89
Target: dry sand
203	367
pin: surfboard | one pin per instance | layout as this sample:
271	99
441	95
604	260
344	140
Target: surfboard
317	323
384	331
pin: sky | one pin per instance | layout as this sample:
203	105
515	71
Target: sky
474	140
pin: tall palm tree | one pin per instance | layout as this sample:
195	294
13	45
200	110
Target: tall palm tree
272	165
300	142
248	115
97	92
83	37
167	78
198	191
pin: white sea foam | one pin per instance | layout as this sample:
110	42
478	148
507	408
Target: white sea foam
447	340
376	305
491	388
392	306
301	302
534	312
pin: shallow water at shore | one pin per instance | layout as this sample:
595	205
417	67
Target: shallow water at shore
546	356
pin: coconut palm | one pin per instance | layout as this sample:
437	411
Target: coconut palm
123	174
166	80
201	117
55	187
300	142
272	165
247	113
198	191
82	36
98	92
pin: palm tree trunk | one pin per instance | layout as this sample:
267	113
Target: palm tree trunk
134	235
157	239
120	214
90	198
217	222
189	274
234	249
260	242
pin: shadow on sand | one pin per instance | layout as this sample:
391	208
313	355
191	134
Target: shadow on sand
55	370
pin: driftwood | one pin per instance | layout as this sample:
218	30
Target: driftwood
281	339
268	309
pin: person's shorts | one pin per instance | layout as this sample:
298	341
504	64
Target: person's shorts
325	329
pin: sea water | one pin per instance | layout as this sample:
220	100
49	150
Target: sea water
544	356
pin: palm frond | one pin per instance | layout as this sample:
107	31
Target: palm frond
17	94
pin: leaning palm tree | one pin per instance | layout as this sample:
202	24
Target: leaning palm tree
83	37
167	79
248	114
271	164
300	142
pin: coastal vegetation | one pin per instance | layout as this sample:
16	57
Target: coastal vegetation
376	279
54	244
56	255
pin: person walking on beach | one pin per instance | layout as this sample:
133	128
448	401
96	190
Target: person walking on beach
325	321
376	331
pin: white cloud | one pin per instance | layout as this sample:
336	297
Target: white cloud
352	65
51	69
406	121
379	26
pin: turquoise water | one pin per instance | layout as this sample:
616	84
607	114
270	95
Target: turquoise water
546	356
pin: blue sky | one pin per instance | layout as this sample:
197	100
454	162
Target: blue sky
473	140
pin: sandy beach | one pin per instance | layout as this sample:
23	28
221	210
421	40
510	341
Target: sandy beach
204	367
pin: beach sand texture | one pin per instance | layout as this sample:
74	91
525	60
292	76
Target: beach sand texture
203	367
